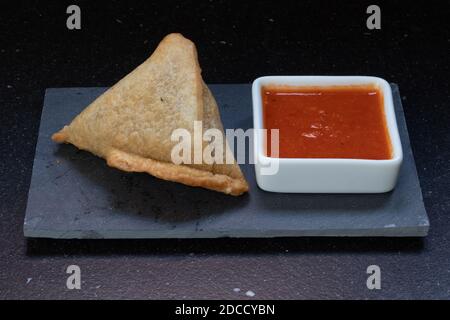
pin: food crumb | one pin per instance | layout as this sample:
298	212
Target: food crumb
250	293
392	225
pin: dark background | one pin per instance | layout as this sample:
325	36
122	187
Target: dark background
237	41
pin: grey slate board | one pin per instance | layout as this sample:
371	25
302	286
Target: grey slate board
74	194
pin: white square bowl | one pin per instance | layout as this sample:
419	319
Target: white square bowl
330	175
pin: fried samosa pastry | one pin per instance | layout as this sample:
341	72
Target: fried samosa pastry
130	125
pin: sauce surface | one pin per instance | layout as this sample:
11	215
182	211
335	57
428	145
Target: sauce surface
327	122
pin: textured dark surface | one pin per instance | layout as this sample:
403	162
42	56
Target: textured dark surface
237	42
74	194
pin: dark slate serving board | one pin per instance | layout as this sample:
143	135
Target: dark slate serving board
74	194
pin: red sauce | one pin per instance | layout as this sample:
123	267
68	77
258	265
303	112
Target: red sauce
327	122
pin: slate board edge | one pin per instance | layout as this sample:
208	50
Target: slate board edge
396	93
418	231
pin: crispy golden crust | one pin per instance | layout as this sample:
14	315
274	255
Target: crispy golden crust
130	125
60	136
171	172
178	173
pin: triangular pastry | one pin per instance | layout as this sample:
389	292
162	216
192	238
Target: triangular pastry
131	124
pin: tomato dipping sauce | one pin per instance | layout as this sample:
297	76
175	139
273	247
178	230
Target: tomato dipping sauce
327	122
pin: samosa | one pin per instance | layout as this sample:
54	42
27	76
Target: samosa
131	124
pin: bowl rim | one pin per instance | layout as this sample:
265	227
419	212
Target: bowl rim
327	81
